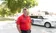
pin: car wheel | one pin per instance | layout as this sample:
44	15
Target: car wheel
47	25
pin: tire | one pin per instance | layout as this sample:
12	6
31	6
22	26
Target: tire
47	25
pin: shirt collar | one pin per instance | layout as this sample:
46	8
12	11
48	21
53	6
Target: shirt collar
24	15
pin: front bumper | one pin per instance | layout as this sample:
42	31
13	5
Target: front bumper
53	24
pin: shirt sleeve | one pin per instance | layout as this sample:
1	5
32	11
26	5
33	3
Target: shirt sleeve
30	20
18	21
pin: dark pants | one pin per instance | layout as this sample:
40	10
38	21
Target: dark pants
26	31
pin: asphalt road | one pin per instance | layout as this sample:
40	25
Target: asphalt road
11	28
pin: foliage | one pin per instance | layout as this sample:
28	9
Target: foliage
17	5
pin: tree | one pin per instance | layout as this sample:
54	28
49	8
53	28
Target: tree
15	5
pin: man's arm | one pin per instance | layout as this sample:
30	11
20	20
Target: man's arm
18	27
18	24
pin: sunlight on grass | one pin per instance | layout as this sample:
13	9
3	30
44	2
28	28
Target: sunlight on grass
6	19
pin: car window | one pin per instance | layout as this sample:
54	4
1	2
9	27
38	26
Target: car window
34	16
40	17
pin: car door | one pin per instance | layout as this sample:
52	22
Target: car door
38	20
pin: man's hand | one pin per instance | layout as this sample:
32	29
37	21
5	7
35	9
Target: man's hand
19	31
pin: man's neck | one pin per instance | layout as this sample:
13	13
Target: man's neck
25	15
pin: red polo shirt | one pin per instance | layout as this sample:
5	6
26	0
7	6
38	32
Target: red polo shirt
24	22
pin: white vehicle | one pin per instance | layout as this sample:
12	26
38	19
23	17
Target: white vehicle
47	21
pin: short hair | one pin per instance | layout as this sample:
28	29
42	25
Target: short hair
24	8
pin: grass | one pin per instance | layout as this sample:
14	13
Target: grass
5	19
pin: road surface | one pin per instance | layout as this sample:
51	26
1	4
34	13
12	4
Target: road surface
11	28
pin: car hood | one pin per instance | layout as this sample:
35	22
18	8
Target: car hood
51	19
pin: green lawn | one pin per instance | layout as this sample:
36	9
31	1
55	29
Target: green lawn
5	19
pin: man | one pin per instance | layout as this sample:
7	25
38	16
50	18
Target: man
24	22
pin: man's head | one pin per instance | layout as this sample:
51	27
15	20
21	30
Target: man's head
25	11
